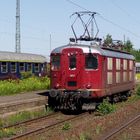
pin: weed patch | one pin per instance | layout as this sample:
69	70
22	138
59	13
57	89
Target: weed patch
106	108
138	91
66	126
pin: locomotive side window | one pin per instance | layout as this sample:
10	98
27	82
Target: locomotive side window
72	62
55	62
125	76
130	65
109	63
91	62
118	64
125	64
109	78
130	76
4	67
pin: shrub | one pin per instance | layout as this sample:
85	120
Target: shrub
105	107
138	90
25	75
10	87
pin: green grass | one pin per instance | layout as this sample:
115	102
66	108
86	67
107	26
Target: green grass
138	76
10	87
85	136
7	132
23	116
125	136
138	90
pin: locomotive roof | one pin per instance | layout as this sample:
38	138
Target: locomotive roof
96	49
21	57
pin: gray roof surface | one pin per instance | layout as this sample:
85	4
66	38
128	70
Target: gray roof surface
21	57
95	49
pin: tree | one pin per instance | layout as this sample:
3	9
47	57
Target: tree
108	40
128	46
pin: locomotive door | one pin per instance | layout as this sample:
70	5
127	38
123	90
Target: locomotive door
72	68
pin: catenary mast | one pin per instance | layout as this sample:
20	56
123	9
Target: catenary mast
17	45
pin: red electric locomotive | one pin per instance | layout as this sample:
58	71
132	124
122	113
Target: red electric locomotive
83	75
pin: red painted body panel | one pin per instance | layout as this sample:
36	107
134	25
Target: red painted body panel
95	80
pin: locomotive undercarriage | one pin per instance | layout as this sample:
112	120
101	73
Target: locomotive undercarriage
71	100
81	100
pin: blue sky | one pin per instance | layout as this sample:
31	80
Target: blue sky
40	18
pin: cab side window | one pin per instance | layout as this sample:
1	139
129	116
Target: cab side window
55	62
91	61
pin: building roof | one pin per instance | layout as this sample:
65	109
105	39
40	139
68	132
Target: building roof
96	49
21	57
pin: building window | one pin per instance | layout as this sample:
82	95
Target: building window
29	66
4	67
21	67
55	62
13	67
109	78
109	63
91	62
118	64
36	67
125	64
118	78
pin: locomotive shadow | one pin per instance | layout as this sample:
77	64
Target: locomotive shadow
72	112
45	93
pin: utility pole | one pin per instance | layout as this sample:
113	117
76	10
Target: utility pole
50	43
17	40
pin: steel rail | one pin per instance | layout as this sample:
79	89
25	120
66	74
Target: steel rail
29	121
43	128
118	130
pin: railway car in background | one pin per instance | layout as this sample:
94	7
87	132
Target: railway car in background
137	67
13	64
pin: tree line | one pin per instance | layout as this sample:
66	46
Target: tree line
125	46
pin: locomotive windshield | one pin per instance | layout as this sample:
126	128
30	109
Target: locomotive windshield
72	62
91	61
55	62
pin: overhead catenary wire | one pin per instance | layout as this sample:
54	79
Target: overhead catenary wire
125	12
105	19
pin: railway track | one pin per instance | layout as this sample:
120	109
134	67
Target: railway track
130	130
38	126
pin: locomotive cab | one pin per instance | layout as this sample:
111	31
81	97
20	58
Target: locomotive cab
73	73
